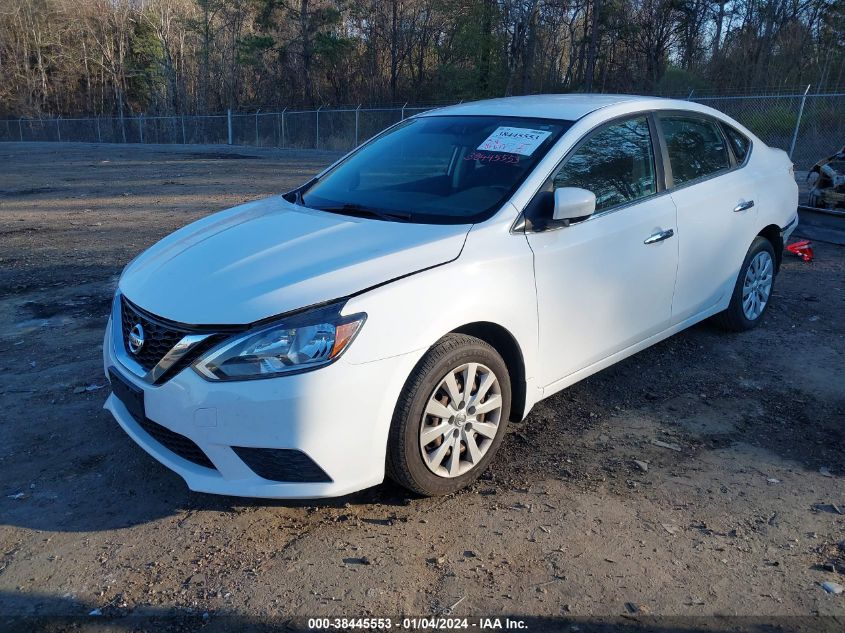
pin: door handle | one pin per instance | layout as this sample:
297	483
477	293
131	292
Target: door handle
743	206
659	237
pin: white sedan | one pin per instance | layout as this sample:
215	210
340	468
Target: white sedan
393	314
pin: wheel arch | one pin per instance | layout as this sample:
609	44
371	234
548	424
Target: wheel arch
506	345
773	233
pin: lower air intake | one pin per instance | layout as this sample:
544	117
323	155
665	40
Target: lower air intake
179	444
282	464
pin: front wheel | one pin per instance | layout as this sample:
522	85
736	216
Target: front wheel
450	418
753	288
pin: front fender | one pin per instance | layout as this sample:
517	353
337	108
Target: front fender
492	281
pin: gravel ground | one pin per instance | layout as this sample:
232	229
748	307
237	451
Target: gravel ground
703	476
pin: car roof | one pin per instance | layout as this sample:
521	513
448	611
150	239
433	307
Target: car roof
569	107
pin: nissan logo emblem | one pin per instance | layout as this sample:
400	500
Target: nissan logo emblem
136	338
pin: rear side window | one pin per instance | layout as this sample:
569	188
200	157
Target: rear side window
696	147
739	142
616	164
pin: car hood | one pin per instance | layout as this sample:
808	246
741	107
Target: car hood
269	257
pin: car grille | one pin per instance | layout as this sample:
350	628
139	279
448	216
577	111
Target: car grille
159	337
179	444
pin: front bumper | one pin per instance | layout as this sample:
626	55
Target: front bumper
339	416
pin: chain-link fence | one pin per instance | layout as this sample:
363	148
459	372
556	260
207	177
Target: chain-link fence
808	126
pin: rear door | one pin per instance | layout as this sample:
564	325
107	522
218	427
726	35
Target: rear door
605	283
717	216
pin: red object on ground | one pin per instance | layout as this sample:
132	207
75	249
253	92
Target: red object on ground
802	249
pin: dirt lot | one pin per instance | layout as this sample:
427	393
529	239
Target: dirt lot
740	510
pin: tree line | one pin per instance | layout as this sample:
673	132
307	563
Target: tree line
123	57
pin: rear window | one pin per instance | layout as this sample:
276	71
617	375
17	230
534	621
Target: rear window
696	147
739	142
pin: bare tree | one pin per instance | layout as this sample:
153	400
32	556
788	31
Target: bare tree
127	56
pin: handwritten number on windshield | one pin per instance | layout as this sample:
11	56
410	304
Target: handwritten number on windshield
508	159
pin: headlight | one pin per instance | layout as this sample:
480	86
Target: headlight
295	344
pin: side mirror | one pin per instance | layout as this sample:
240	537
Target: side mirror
572	203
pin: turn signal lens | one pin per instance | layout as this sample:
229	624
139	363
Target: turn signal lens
344	334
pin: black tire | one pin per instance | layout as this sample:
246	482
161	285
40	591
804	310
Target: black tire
733	318
405	464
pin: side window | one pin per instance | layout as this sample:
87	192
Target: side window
739	142
696	147
616	164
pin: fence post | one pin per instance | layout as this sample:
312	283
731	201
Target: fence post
318	127
689	96
403	111
99	136
229	119
284	132
141	127
20	128
122	125
257	144
798	122
58	129
357	111
183	129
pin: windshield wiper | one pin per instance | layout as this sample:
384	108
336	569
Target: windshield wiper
361	211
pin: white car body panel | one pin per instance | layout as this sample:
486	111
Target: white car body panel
713	240
572	300
268	257
621	293
490	275
299	411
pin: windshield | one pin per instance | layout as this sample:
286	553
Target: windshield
437	169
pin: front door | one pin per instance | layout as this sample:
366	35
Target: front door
606	283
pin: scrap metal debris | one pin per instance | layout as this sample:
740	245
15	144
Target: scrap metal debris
828	186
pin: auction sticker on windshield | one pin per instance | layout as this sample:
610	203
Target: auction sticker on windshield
514	140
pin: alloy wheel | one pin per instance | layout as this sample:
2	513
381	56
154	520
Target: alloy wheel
757	285
461	420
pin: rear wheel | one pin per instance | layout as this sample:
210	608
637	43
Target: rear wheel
753	289
450	418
